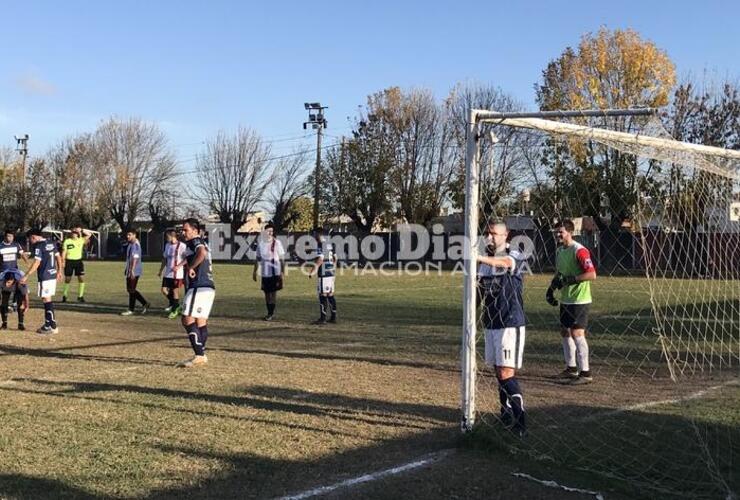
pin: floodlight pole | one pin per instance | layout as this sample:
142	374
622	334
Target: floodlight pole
317	121
22	148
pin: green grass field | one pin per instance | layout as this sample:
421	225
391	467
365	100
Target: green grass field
100	411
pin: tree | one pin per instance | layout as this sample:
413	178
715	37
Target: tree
302	211
503	166
134	162
418	131
610	69
288	186
232	175
359	174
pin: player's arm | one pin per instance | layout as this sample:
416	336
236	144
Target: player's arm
25	305
583	256
64	254
161	267
319	261
34	265
200	256
86	235
60	274
506	261
256	268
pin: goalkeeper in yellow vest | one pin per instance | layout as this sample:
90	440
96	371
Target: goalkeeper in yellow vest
575	271
73	250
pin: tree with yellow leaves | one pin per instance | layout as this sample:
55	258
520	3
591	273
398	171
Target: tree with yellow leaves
609	69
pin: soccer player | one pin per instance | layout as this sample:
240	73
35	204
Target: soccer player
504	321
47	263
10	284
324	268
271	262
73	249
575	271
10	250
173	265
133	273
199	295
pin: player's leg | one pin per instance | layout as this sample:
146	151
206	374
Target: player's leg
323	303
47	291
80	281
4	310
569	346
509	353
270	299
139	297
67	280
197	307
578	332
331	301
18	299
130	289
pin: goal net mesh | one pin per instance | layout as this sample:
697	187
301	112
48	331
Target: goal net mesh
659	218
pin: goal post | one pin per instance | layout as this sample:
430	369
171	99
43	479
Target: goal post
660	218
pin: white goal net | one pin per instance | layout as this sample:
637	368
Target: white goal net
662	415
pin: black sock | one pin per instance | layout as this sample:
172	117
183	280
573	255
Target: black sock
333	306
49	315
194	336
323	306
270	309
20	315
514	393
4	313
131	301
504	400
203	336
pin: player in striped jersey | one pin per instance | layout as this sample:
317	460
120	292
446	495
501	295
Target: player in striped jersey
271	264
173	267
10	250
325	270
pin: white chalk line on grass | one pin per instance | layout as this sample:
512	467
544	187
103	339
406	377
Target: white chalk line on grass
553	484
373	476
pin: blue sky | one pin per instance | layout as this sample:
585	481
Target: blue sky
197	67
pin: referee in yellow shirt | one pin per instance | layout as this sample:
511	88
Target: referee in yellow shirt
73	249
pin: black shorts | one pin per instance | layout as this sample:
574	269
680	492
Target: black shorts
74	268
574	315
171	283
271	284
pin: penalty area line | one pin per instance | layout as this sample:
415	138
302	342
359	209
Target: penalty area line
373	476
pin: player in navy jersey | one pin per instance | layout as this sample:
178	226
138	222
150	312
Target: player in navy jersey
200	292
325	270
10	250
503	318
47	263
12	289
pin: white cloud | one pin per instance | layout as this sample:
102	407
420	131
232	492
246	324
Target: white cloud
33	84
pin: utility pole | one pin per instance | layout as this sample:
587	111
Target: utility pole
22	148
318	122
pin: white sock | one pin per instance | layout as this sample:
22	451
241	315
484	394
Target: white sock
569	351
582	349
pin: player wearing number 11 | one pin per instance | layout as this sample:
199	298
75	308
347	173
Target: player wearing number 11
500	280
48	263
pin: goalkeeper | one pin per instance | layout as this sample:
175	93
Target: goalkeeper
574	272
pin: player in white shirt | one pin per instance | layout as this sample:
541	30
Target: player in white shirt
173	267
271	262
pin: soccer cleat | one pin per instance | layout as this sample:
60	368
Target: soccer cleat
167	309
519	431
320	321
47	330
193	362
64	299
145	308
21	327
268	317
81	300
568	373
173	314
127	312
582	380
4	326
